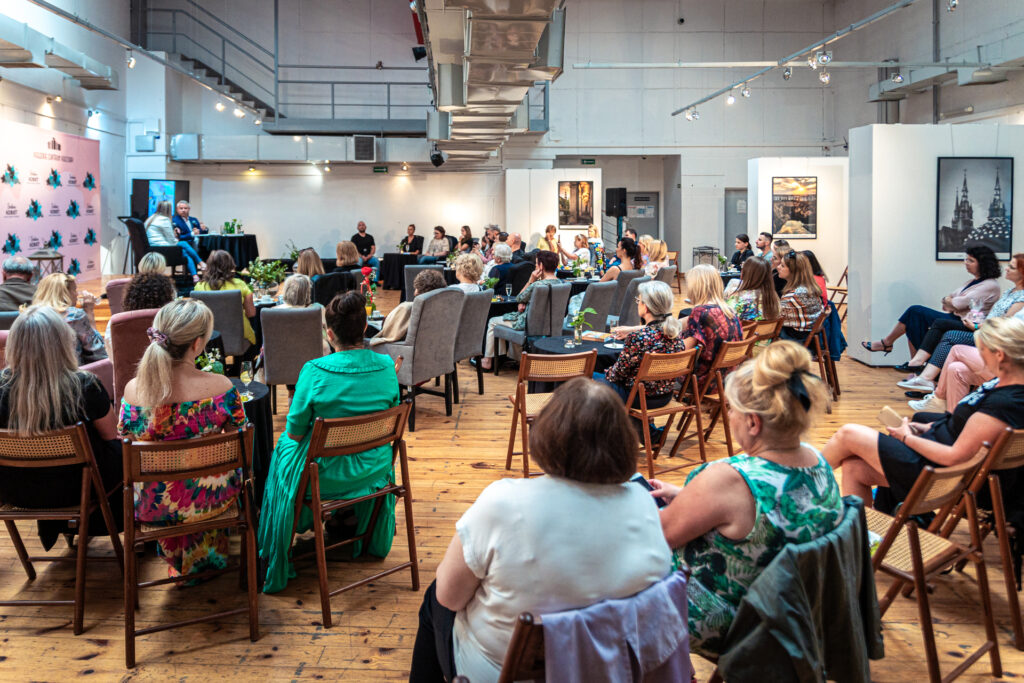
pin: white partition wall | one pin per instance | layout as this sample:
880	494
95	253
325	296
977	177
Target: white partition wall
893	171
832	173
531	199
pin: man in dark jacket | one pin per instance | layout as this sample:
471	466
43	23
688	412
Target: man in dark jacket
17	288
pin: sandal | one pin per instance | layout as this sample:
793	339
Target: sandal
885	347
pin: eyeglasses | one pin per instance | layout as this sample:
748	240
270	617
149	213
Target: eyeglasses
638	300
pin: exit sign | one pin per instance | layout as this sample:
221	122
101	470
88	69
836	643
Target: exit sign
586	162
380	169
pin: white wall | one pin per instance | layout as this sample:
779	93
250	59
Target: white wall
531	199
833	209
893	173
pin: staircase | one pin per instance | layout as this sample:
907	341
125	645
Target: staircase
219	82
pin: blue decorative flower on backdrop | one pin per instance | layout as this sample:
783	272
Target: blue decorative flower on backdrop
73	209
10	176
75	268
90	237
90	182
53	180
12	245
35	211
55	241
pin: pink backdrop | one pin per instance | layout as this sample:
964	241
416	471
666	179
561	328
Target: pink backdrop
50	194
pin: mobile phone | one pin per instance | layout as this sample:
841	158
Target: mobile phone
889	417
639	479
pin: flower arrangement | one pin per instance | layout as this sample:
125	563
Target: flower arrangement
293	250
578	266
451	258
578	321
369	288
722	261
210	361
490	283
267	273
600	258
233	226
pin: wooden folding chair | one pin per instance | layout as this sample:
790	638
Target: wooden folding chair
763	330
838	293
673	260
817	344
665	366
68	446
730	355
342	437
526	406
913	556
524	659
156	461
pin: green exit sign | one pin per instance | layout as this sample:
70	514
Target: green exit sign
380	169
586	162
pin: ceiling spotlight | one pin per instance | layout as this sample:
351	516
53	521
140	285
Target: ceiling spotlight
951	5
257	120
696	115
130	60
296	138
239	114
825	77
745	91
252	169
897	77
58	98
731	99
823	57
812	62
405	166
309	139
787	73
327	168
689	115
437	157
219	106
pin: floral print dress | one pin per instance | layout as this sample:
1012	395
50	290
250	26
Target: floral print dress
191	500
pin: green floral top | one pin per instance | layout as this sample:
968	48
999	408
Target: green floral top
518	318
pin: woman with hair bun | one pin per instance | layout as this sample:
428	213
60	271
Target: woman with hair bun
351	381
171	399
736	514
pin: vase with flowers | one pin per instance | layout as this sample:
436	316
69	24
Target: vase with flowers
369	289
577	322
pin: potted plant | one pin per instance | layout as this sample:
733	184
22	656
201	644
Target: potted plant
578	266
722	263
577	323
490	283
452	255
234	226
210	361
293	250
266	274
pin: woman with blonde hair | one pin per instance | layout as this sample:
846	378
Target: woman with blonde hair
800	302
549	242
42	389
893	461
580	250
59	291
657	257
171	399
644	244
152	262
309	263
160	233
348	257
735	515
468	269
711	321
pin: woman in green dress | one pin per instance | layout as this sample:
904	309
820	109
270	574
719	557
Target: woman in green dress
351	381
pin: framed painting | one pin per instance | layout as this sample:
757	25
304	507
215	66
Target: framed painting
795	207
974	206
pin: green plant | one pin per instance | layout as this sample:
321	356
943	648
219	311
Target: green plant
490	283
578	266
267	273
293	250
580	319
722	260
232	226
210	361
451	258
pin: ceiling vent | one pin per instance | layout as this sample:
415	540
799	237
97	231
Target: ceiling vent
364	148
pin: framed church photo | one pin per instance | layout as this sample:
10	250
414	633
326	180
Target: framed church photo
795	207
974	206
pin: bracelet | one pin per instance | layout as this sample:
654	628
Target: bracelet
905	439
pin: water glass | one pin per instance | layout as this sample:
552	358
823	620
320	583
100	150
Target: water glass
508	291
246	376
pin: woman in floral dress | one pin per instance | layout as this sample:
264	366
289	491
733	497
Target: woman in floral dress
171	399
711	321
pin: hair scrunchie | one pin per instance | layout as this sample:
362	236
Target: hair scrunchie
796	386
157	337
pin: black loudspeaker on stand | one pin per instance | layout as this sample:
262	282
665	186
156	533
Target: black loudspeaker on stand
615	202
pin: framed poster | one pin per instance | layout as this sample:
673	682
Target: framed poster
575	202
974	206
795	207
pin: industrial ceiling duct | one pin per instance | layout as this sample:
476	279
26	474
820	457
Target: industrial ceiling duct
451	89
439	125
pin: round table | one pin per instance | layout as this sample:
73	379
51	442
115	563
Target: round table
257	411
241	247
728	277
606	357
505	304
392	269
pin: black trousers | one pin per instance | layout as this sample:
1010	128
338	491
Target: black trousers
433	654
938	328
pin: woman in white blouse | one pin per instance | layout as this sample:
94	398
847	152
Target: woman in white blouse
160	233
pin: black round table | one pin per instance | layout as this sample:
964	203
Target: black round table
505	304
257	411
606	357
449	277
392	269
241	247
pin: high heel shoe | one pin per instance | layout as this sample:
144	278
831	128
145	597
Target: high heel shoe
885	347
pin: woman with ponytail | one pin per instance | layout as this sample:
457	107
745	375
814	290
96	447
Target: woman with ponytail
171	399
735	515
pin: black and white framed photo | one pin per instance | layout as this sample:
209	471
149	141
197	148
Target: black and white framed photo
795	207
974	206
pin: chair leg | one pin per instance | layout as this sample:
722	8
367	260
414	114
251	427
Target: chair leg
987	613
131	586
1006	558
83	545
412	409
455	383
512	436
273	399
19	547
701	444
448	395
923	607
479	377
648	449
321	552
252	590
410	531
524	434
725	427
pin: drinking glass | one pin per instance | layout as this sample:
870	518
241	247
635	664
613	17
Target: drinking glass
246	377
508	291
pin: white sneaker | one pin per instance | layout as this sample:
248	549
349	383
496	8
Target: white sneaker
929	404
916	384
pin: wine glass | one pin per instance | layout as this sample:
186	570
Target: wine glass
246	377
508	291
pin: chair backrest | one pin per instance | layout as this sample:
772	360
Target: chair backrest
938	487
535	367
128	341
115	294
291	337
666	274
348	435
673	258
819	322
599	296
628	315
432	335
469	342
137	237
624	278
67	446
453	242
731	354
1010	450
524	659
410	276
546	310
206	456
656	367
227	318
519	275
765	330
7	319
3	348
104	371
327	286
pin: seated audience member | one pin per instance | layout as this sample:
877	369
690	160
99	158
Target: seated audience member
735	515
743	251
366	247
437	248
657	257
549	242
643	244
145	291
42	389
160	233
779	249
351	381
594	237
630	233
186	227
764	243
819	275
580	250
515	243
945	333
220	275
309	264
983	289
296	292
411	243
500	265
171	399
627	257
152	262
468	270
59	291
348	257
17	289
710	322
801	299
396	325
487	243
754	297
895	459
547	264
528	545
466	240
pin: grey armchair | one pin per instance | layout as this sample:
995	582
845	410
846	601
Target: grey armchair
428	350
291	336
625	277
7	319
227	318
410	274
544	316
666	275
598	296
469	342
627	314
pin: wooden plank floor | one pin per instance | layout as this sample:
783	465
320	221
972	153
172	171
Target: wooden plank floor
452	460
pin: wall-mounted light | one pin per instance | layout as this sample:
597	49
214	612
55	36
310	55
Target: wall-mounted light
823	57
219	106
405	166
239	114
745	91
731	99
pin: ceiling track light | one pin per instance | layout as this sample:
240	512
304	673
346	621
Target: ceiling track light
951	5
327	168
405	166
696	115
812	62
897	77
689	115
731	99
130	60
823	58
257	120
219	106
239	114
252	169
825	77
787	73
745	91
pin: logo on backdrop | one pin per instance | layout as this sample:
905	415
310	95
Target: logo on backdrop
90	237
75	268
56	241
10	176
35	211
10	211
12	245
89	183
53	180
73	209
53	145
33	177
73	239
90	210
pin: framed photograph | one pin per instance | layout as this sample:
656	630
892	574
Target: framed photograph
974	206
795	207
575	202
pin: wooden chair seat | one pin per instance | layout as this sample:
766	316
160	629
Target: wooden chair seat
534	403
935	550
670	408
148	531
8	509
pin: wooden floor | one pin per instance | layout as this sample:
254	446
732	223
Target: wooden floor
452	460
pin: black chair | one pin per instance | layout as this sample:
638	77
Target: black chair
326	287
140	246
520	275
453	242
